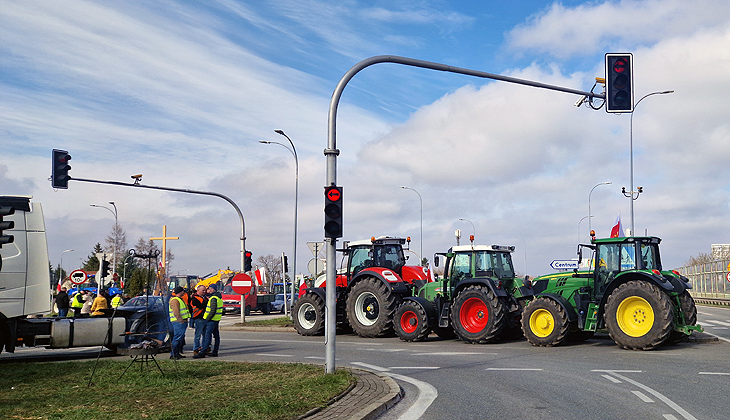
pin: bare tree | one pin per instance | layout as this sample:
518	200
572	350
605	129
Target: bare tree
273	267
120	236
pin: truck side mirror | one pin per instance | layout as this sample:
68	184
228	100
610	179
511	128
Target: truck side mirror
436	260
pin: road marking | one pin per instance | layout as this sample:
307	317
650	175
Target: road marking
455	353
617	371
642	396
369	366
715	373
717	336
426	392
512	369
415	367
658	395
669	417
724	324
719	328
612	379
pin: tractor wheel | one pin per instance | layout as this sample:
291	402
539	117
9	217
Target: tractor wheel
247	311
687	305
308	315
370	308
410	322
477	315
638	315
545	323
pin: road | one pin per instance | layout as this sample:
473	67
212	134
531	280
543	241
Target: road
451	379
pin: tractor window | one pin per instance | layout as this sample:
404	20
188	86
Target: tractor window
389	256
628	256
483	265
359	259
461	266
607	266
503	265
650	257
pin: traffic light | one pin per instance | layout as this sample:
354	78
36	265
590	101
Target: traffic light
60	168
103	269
7	224
332	212
247	261
619	83
285	262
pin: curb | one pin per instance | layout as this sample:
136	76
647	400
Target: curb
272	328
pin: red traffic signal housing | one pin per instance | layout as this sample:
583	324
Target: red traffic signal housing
332	212
619	83
60	168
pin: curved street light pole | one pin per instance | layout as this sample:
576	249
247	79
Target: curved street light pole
420	240
60	264
631	145
589	206
581	221
473	229
116	226
293	151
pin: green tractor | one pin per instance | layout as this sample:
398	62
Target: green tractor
624	291
478	299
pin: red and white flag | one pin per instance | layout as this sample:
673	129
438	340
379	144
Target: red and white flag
617	231
260	276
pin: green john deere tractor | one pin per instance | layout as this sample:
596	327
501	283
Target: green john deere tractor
624	291
478	299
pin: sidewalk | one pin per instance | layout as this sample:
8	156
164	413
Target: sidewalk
371	396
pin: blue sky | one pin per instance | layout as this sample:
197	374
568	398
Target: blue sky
182	92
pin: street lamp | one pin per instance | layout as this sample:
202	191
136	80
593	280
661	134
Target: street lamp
293	151
473	229
116	237
421	240
589	206
581	221
525	242
630	194
60	264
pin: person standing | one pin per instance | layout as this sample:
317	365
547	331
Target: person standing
99	303
212	316
77	302
86	309
179	316
198	303
62	303
117	300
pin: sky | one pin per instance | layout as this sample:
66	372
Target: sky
183	92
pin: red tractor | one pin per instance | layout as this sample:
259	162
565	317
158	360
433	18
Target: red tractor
369	289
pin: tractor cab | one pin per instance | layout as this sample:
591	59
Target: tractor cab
383	252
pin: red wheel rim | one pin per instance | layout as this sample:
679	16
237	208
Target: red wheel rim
474	315
409	322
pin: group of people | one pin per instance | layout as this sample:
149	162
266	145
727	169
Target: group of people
84	303
202	311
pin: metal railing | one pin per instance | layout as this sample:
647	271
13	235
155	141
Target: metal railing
709	280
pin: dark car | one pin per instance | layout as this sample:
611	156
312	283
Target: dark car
147	318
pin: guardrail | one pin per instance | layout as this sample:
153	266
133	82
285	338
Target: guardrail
709	280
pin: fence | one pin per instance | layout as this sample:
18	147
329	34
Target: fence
709	280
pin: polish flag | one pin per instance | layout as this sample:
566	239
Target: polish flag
260	276
58	287
617	231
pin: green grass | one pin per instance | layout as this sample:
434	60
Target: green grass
189	390
282	321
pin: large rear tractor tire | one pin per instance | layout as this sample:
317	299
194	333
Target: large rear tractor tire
411	322
545	323
639	315
308	315
370	308
477	315
688	308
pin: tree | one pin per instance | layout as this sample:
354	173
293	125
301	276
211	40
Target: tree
273	267
92	263
121	246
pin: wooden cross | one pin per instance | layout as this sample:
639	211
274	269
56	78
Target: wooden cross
164	240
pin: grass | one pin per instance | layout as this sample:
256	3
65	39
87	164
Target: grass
189	390
282	321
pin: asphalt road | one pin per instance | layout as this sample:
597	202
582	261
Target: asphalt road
454	380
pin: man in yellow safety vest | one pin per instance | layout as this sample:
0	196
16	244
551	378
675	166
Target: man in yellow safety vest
179	318
212	316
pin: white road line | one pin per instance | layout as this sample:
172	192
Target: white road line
513	369
612	379
717	336
455	353
642	396
724	324
369	366
715	373
718	328
427	393
617	371
669	417
658	395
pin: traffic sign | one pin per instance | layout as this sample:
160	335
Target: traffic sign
241	283
564	264
77	276
334	194
727	276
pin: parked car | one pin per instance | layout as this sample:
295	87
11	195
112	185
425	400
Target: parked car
278	304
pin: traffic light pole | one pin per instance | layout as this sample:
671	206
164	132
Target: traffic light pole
331	154
183	190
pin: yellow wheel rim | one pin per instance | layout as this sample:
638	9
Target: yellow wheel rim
635	316
542	323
